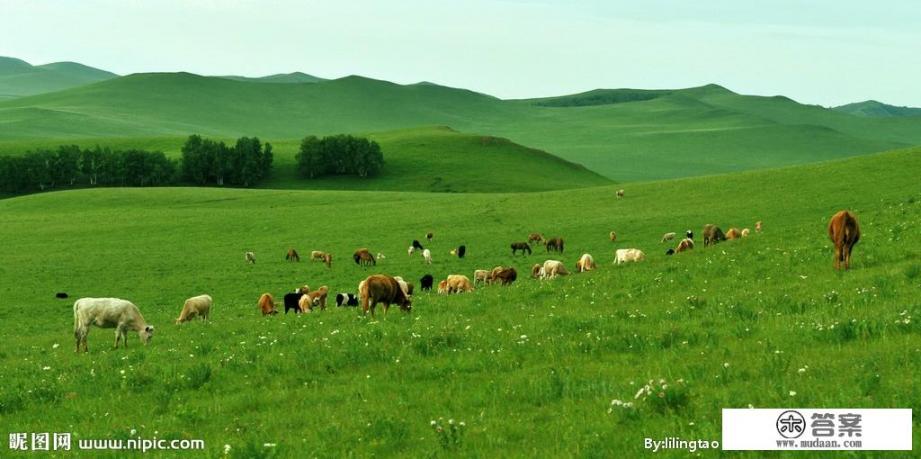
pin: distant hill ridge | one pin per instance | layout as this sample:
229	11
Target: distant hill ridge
872	108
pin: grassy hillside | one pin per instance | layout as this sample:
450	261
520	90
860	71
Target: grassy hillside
872	108
436	159
622	134
19	78
531	370
294	77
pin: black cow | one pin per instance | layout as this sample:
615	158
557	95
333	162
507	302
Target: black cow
291	302
346	299
426	282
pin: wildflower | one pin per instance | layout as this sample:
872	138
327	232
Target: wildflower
55	346
801	370
226	449
268	445
725	364
432	423
793	393
46	368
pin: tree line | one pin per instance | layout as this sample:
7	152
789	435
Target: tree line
203	162
339	155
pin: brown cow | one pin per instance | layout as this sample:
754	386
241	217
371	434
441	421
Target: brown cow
733	233
292	255
613	236
363	257
267	304
443	287
536	237
620	193
505	276
324	257
844	232
535	270
522	246
685	244
712	235
380	288
555	244
314	298
758	226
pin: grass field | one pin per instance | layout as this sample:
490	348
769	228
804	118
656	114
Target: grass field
624	135
531	370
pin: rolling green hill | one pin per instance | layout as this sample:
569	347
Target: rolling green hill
621	134
872	108
530	370
437	159
19	78
294	77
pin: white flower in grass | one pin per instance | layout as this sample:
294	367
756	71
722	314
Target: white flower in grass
793	393
725	364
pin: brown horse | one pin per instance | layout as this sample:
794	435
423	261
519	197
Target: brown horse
844	232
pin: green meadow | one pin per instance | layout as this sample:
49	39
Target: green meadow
624	135
530	370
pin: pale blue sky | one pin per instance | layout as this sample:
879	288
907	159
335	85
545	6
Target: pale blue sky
818	51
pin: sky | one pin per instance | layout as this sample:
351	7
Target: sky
819	51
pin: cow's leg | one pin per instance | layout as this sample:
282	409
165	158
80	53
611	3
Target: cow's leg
78	339
837	257
386	307
118	336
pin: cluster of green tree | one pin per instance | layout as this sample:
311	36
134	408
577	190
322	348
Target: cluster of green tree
204	162
339	155
207	162
71	167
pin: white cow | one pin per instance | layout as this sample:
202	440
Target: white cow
551	269
411	250
114	313
197	306
585	263
625	255
250	257
427	256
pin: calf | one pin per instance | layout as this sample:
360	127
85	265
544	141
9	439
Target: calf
249	257
292	255
480	276
522	246
426	282
626	255
668	237
427	256
346	300
267	304
585	263
555	245
323	257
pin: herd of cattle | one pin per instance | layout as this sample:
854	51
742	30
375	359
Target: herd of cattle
386	290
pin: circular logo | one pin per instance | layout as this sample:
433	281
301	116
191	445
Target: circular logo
791	424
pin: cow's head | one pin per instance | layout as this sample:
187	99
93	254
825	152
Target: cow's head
146	334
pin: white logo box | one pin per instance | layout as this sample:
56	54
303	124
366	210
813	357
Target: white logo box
756	429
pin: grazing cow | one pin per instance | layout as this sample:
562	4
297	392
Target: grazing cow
585	263
426	282
620	193
733	233
411	250
115	313
429	236
551	269
346	300
746	232
461	251
417	245
321	256
380	288
363	257
625	255
314	299
457	283
267	304
689	234
844	233
712	235
293	300
685	244
536	271
670	251
536	237
758	226
442	287
613	236
522	246
480	276
249	257
406	286
668	237
292	255
505	277
197	306
427	256
555	244
61	295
